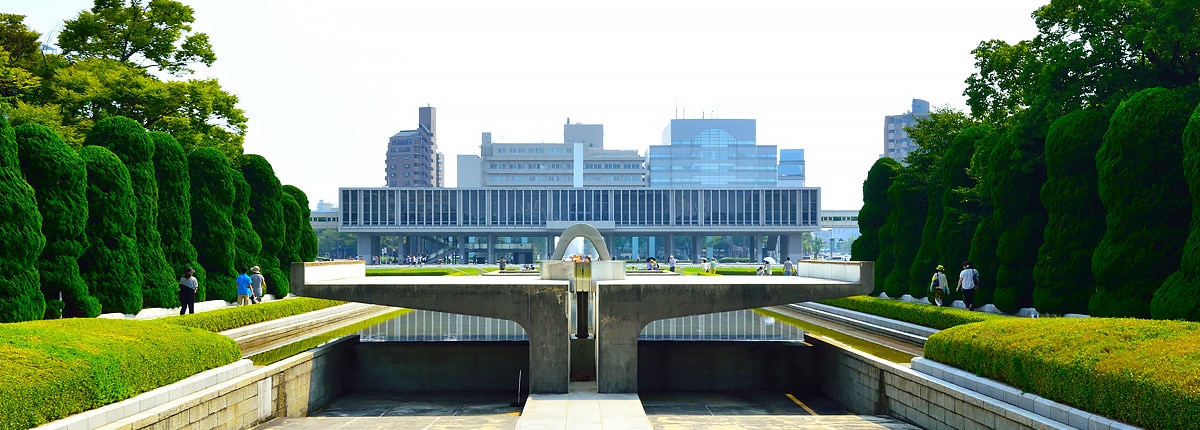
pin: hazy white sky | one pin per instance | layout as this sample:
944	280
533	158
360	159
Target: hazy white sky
325	84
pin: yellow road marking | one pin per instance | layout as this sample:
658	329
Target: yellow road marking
798	402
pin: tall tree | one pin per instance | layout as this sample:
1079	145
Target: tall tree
59	180
1063	273
294	220
171	170
21	239
872	217
213	189
110	263
987	232
909	200
960	211
129	141
1019	171
1148	206
155	34
1179	296
248	246
307	237
266	214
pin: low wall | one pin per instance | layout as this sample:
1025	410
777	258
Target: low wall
866	385
726	366
439	366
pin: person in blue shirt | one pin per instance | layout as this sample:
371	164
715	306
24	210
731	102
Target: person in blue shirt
243	288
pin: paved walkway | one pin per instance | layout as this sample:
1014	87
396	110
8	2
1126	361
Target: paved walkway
583	408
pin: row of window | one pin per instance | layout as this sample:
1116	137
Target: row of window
561	178
533	150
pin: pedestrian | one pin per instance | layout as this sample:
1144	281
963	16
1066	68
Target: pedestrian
766	267
188	285
257	282
939	287
503	263
788	267
651	264
712	266
968	281
671	263
243	288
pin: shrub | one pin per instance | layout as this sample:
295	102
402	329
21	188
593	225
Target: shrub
1142	187
175	205
937	317
110	263
212	190
241	316
1179	296
59	181
248	245
873	216
293	220
21	239
909	199
960	214
52	369
306	237
1141	372
267	217
1018	174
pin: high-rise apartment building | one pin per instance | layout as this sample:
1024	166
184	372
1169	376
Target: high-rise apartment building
413	160
896	143
580	161
712	153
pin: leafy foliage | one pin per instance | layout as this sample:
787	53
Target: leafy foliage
938	317
1179	296
909	200
146	35
873	216
59	180
241	316
960	210
294	221
212	190
21	239
133	146
1018	172
267	217
171	170
1142	187
307	237
1140	372
85	363
110	264
1063	273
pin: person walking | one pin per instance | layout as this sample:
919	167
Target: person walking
503	263
187	291
939	287
766	267
671	263
256	285
968	280
243	288
788	267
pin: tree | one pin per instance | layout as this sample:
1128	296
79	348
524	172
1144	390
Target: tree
909	200
21	239
872	217
987	232
266	215
1142	187
960	210
147	35
294	221
18	46
1075	222
129	141
1019	172
59	181
1179	296
213	189
110	263
171	171
306	236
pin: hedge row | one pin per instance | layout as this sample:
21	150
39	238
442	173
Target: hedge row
51	369
925	315
240	316
1142	372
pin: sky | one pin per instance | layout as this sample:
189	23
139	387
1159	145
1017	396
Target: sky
324	84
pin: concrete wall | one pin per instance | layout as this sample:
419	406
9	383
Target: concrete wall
726	366
439	366
866	385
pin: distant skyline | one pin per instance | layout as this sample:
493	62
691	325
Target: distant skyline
325	86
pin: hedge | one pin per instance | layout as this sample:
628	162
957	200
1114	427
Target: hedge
1142	372
52	369
240	316
925	315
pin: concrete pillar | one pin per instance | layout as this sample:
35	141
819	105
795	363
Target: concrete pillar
491	248
368	245
670	247
696	252
795	246
462	249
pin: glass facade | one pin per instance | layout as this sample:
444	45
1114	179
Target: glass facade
712	153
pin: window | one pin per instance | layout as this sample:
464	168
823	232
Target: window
406	166
405	174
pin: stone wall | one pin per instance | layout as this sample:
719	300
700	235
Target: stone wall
726	366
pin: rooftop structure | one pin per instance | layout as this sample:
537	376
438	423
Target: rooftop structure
580	161
712	153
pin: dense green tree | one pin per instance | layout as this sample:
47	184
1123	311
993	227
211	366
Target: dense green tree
21	239
909	199
175	205
987	232
18	48
1019	171
1179	296
248	247
306	236
960	211
294	221
1148	206
134	147
110	263
266	214
1075	221
872	217
59	180
155	34
213	189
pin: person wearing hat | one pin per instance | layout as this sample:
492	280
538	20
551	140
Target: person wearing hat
187	291
938	286
243	288
256	285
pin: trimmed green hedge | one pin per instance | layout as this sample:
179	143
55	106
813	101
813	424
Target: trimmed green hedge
926	315
239	316
1142	372
52	369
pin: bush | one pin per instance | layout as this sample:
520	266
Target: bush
240	316
109	266
1179	296
21	239
306	237
874	212
1142	372
267	217
293	221
52	369
175	205
924	315
212	189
